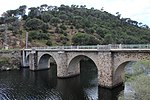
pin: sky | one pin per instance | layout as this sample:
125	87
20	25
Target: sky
138	10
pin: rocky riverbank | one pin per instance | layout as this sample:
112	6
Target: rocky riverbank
10	60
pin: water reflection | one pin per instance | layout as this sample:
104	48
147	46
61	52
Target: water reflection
44	85
110	94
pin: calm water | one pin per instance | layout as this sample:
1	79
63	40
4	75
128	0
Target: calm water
44	85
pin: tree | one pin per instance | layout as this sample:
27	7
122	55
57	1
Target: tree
49	43
2	20
45	27
34	24
63	7
16	27
101	31
118	15
63	17
55	20
46	17
108	39
22	10
44	7
38	35
63	27
9	20
34	12
11	13
85	39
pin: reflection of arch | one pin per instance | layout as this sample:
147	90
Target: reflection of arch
44	61
74	64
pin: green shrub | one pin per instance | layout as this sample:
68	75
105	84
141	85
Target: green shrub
139	81
49	43
63	27
34	24
37	35
85	39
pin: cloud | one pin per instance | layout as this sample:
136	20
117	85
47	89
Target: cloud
135	9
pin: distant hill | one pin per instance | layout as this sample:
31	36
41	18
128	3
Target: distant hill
69	25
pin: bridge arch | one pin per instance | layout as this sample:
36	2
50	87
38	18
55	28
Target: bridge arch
74	64
119	72
45	60
122	59
27	59
120	69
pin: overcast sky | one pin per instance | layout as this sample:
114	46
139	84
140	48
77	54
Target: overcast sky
138	10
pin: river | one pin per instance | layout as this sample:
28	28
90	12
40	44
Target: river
24	84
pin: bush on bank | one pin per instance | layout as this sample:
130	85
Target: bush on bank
139	81
9	63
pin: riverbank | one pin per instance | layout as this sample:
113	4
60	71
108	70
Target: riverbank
10	60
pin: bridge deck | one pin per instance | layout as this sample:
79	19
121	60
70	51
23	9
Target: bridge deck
114	47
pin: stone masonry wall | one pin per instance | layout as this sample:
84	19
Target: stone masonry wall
105	69
120	59
107	63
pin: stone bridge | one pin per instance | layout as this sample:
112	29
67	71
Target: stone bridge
110	60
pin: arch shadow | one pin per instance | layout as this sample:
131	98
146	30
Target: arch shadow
119	72
45	61
27	59
74	66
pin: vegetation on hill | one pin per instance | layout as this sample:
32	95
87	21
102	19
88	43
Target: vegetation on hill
69	25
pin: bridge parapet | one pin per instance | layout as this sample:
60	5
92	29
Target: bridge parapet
96	47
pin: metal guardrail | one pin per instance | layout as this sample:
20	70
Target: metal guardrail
97	47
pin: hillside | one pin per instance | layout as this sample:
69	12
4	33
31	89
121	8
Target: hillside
69	25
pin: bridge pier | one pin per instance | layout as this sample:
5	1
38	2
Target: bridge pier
33	61
62	64
105	70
